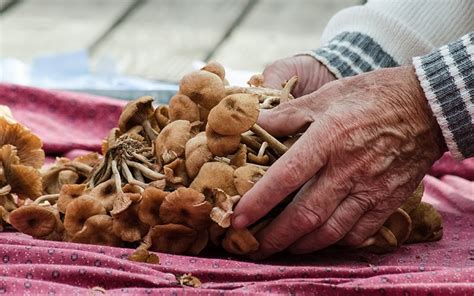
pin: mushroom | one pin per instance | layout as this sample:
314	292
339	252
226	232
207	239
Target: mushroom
183	108
216	234
273	143
203	87
239	241
414	200
68	193
78	211
197	154
203	114
139	112
170	143
261	158
110	140
27	145
186	206
162	115
35	220
223	206
215	175
383	241
97	230
170	238
221	145
234	115
149	208
200	243
216	68
142	255
287	89
239	159
127	225
75	171
175	172
399	223
426	224
256	80
105	193
245	177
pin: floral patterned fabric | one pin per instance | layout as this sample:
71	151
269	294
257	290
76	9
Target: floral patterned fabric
69	123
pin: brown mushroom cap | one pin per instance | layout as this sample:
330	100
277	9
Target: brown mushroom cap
105	193
203	114
28	146
245	177
128	226
162	116
240	157
171	238
175	172
67	177
383	241
78	211
186	206
182	107
223	206
414	200
136	112
234	115
215	175
221	145
240	241
399	224
123	200
197	153
149	208
200	243
427	224
203	87
216	68
256	80
68	193
216	233
171	141
34	220
97	230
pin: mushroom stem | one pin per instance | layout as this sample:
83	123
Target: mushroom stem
5	190
270	103
263	167
142	158
250	142
82	167
47	197
272	141
116	176
222	159
129	176
150	132
145	171
285	94
138	175
262	149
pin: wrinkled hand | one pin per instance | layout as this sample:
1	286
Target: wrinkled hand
311	74
368	141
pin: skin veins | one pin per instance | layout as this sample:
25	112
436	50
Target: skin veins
368	141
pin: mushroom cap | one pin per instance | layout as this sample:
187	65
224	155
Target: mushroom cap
91	159
175	172
240	157
383	241
34	220
110	139
105	193
239	241
142	255
149	208
414	200
68	193
136	112
215	175
399	224
67	177
221	145
427	224
171	141
186	206
24	180
246	176
203	114
182	107
171	238
223	205
123	201
197	154
78	211
216	68
162	116
128	226
216	233
28	145
203	87
200	243
234	115
97	230
256	80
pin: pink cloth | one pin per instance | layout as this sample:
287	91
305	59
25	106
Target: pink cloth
67	122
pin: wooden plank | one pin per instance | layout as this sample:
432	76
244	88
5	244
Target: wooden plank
275	29
34	27
162	38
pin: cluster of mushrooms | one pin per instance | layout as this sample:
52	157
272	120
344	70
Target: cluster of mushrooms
169	177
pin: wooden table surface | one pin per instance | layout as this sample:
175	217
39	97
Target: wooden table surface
159	39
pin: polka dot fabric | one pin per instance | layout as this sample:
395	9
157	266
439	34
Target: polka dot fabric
69	123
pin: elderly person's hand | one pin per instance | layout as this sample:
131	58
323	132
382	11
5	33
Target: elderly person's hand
311	74
368	140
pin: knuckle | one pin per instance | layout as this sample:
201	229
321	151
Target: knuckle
335	232
305	219
271	244
365	201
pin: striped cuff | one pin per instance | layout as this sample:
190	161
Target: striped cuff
447	78
352	53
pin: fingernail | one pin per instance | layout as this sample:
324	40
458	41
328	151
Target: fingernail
240	221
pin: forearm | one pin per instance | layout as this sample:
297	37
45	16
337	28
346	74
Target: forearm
447	78
388	33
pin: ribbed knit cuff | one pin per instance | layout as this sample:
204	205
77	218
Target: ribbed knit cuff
447	78
352	53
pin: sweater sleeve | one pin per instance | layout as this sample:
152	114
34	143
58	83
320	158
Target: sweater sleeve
447	78
389	33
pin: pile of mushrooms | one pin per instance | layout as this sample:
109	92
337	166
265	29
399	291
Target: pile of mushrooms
170	176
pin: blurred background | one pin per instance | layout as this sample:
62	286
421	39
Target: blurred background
124	47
